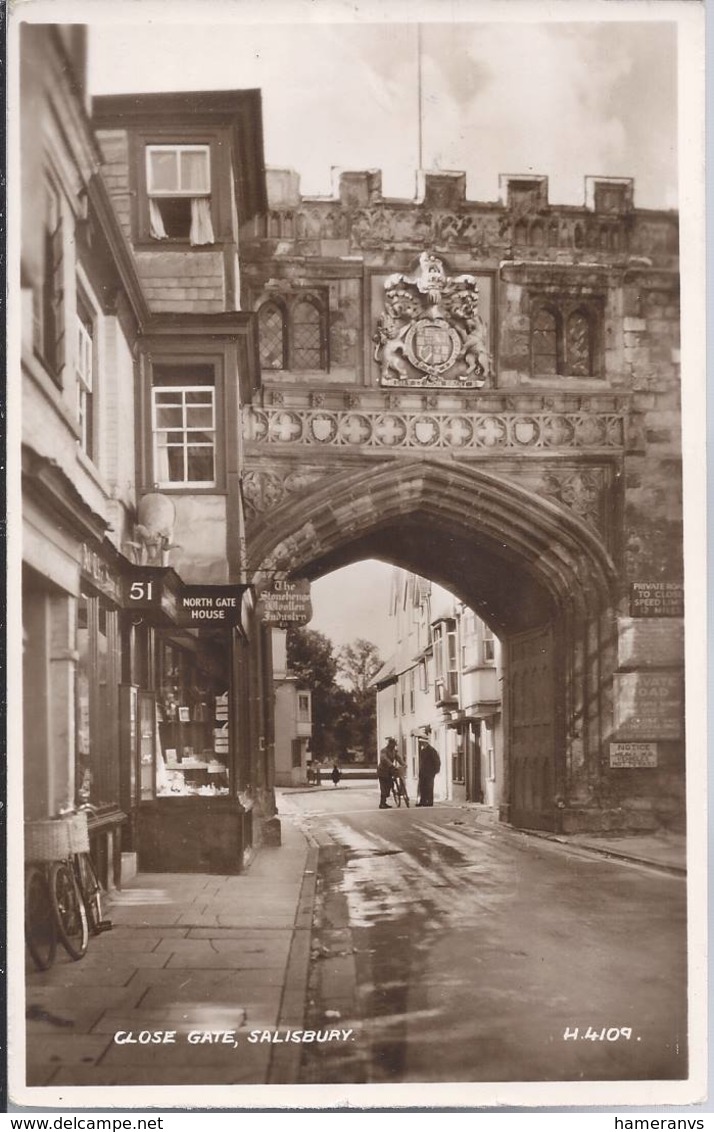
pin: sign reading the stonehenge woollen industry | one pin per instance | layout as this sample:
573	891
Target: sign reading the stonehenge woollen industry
283	603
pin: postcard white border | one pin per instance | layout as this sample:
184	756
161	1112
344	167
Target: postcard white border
689	17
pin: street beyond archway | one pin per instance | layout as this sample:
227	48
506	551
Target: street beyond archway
461	951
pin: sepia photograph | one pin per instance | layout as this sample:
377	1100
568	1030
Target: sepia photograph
356	466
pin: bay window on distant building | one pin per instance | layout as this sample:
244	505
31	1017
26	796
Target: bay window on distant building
489	647
48	301
84	366
184	426
446	676
178	187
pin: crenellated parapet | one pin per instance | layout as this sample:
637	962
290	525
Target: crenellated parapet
521	223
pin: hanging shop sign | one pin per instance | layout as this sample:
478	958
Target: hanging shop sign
96	571
633	755
210	606
656	599
284	604
153	588
648	705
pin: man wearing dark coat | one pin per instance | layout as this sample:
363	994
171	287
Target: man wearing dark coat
429	767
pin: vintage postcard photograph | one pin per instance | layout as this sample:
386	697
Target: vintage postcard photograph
356	401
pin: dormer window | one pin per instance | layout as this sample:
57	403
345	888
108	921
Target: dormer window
178	184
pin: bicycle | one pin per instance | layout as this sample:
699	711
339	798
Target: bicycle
40	930
61	877
399	791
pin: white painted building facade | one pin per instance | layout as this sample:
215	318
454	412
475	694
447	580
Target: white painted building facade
443	681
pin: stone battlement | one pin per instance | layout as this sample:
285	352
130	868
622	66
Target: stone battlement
446	189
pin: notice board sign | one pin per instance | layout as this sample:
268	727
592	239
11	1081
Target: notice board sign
656	599
633	754
648	705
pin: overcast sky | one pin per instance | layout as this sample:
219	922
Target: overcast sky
565	99
562	99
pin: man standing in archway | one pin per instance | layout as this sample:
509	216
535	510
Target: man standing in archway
429	767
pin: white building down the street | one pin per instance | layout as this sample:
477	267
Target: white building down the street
443	681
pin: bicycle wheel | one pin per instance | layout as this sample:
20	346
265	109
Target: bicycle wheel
69	911
40	933
396	793
92	894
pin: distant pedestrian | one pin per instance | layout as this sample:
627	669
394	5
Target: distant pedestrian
318	776
336	774
385	772
429	767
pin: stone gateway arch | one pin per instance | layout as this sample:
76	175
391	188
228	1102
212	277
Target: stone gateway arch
492	401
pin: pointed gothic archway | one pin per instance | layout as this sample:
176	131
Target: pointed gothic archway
533	571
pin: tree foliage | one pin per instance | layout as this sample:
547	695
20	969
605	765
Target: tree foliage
359	663
343	718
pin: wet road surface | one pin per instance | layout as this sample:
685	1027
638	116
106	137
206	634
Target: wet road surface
460	951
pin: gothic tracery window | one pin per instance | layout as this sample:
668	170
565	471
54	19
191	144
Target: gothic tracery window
292	334
577	344
563	340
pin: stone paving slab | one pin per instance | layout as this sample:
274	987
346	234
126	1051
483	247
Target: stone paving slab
158	1076
158	997
196	952
62	1000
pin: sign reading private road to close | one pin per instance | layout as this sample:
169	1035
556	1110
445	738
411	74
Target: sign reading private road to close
657	599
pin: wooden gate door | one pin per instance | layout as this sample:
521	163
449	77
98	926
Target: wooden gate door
532	733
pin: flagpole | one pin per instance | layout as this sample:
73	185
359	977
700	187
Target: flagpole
419	100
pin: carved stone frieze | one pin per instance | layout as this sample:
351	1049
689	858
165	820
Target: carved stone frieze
390	429
582	490
264	490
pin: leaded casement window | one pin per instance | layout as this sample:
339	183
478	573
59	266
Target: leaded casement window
307	336
564	340
292	334
544	341
271	331
84	366
178	185
184	429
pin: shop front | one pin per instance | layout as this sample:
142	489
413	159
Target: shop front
182	782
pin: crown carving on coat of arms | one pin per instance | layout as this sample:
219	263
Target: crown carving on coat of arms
430	331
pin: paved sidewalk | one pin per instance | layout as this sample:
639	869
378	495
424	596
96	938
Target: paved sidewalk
188	953
664	849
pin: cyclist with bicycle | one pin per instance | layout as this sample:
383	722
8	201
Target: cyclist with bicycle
399	786
385	772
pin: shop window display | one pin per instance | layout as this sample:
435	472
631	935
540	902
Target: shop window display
192	732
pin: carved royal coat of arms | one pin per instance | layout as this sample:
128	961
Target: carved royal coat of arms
430	331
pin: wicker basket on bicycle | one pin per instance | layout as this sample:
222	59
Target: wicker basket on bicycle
55	839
